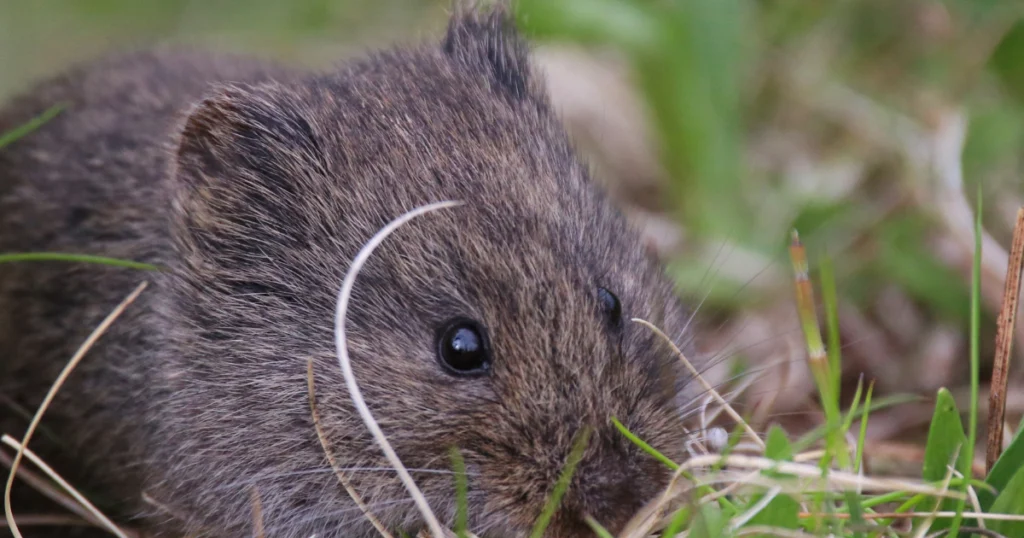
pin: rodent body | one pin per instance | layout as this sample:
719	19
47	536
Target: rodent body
254	186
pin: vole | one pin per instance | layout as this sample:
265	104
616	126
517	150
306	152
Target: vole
501	326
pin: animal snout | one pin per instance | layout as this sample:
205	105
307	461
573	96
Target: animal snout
611	484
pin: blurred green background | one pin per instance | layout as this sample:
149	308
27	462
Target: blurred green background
870	125
37	36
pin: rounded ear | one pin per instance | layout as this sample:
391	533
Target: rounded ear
204	142
249	131
488	42
243	157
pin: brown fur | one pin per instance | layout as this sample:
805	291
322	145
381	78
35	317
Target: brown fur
255	186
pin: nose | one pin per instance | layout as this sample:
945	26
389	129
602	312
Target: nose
610	486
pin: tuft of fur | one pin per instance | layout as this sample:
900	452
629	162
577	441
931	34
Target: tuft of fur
255	185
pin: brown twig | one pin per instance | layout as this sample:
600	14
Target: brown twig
1004	343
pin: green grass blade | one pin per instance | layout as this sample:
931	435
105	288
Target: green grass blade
74	258
945	437
676	524
1010	501
972	419
946	441
461	493
600	531
830	299
818	432
853	503
777	446
863	434
854	405
1005	467
781	512
562	485
22	130
709	522
644	446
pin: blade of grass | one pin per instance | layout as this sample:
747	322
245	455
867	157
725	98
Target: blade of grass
817	359
854	404
644	446
1005	467
863	434
972	420
702	489
830	298
945	442
325	446
600	531
345	363
461	493
1010	501
257	513
94	514
24	129
50	395
676	524
709	523
818	432
77	258
562	485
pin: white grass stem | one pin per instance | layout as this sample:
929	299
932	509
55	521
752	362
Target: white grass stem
346	366
837	478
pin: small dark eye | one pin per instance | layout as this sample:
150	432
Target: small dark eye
462	347
610	305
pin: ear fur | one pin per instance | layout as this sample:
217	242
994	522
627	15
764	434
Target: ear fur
487	41
245	158
249	131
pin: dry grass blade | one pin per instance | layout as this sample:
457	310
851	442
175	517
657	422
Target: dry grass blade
651	514
1004	344
346	365
330	457
835	478
94	515
22	447
47	489
50	520
257	514
912	515
762	530
707	386
970	531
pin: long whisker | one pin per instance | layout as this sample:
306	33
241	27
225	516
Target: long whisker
711	287
291	522
732	413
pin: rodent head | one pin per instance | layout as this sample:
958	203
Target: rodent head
501	326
